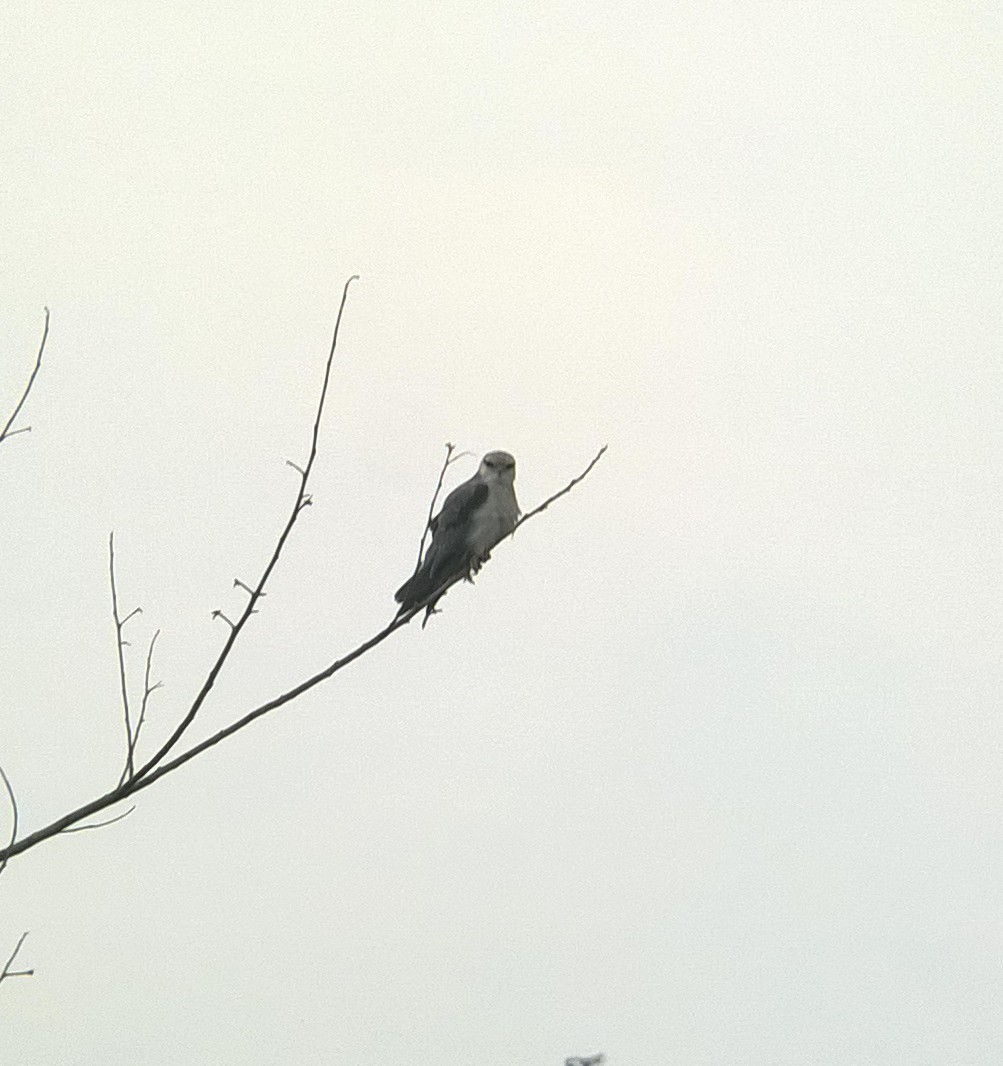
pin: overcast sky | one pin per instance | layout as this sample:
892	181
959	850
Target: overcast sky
706	767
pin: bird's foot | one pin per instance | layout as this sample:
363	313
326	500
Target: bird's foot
477	562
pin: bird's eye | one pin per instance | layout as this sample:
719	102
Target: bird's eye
487	462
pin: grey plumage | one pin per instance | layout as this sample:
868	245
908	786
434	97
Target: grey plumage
474	518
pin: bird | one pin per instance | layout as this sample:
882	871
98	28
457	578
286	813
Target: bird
474	518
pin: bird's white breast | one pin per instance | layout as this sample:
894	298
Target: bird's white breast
495	520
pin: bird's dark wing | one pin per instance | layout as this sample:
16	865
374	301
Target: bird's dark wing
449	553
460	505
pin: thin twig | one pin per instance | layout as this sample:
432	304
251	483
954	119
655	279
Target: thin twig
130	737
100	825
146	776
13	820
6	431
148	689
7	971
450	448
238	626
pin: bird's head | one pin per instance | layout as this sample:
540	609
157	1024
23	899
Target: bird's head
497	466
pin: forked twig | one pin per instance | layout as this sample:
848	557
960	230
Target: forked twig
7	431
7	971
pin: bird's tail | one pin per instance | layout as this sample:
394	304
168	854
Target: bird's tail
413	591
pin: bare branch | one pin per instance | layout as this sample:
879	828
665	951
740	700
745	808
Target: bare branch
130	738
7	971
134	780
146	776
6	431
238	626
13	820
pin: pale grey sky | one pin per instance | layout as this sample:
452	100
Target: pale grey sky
706	767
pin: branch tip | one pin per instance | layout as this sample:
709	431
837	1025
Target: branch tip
99	825
7	431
